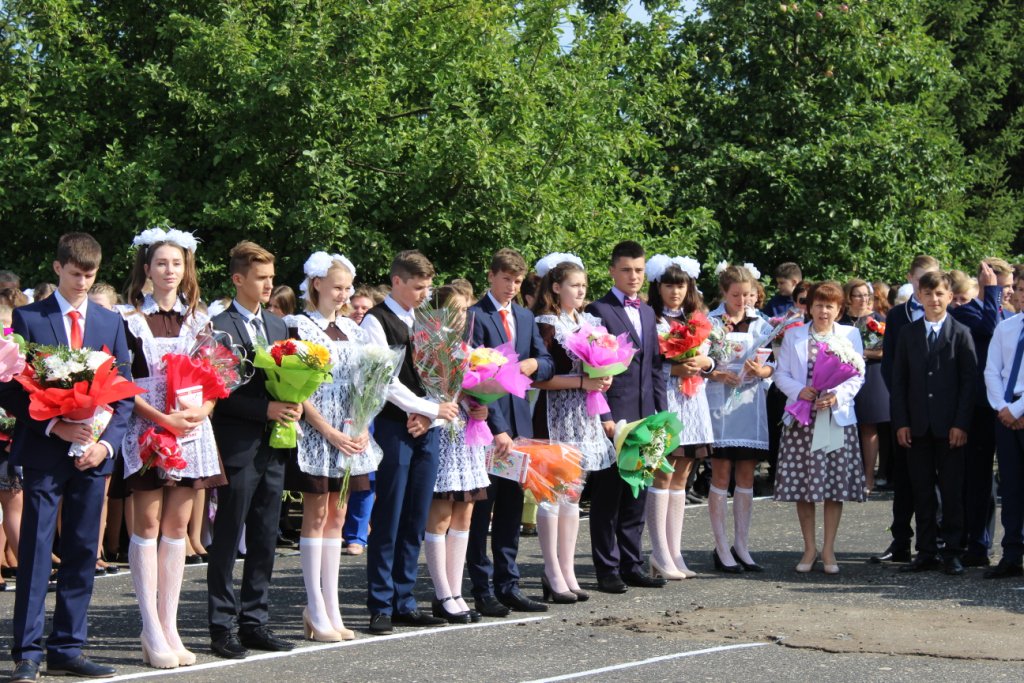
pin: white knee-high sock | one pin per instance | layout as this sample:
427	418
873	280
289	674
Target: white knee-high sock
311	551
456	545
742	512
718	504
568	531
435	548
330	565
142	559
674	530
547	534
657	521
171	560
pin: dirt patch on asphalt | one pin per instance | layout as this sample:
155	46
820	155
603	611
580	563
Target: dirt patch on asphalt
956	633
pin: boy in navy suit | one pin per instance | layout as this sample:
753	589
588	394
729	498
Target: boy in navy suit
493	321
616	517
50	476
787	277
933	386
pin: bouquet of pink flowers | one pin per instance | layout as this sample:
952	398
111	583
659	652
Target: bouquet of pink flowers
12	357
491	374
837	362
602	355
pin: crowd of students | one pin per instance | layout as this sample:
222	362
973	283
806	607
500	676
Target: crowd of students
939	397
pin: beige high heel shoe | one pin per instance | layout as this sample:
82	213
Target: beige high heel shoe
312	633
157	660
806	567
185	657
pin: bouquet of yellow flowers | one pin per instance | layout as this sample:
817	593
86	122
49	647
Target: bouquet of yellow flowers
295	370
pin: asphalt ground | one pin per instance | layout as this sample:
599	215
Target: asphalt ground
869	623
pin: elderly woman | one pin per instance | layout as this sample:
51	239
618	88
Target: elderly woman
820	462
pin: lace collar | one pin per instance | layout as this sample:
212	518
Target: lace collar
150	306
321	322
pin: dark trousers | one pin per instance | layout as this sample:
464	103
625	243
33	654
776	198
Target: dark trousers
931	462
405	487
616	524
775	407
979	503
252	497
505	499
902	499
1010	453
82	493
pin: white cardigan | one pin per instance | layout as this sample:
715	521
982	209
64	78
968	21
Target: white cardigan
791	371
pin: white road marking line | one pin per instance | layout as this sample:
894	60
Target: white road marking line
221	663
652	660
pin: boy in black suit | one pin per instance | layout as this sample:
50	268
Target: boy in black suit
933	387
255	471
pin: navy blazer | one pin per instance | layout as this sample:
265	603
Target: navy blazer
640	391
934	390
42	323
510	414
240	420
897	318
981	319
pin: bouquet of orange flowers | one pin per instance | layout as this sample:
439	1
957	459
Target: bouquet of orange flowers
295	370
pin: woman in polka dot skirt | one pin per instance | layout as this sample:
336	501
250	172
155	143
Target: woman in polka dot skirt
833	473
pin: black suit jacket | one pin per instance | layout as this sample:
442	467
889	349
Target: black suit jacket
510	414
240	420
934	390
640	391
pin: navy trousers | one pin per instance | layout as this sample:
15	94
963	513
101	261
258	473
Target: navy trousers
83	494
616	524
505	499
405	487
1010	453
979	503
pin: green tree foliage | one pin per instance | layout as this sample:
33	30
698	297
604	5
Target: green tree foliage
842	136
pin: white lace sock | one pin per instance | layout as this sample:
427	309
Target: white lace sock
568	531
330	565
547	534
171	556
657	518
436	551
311	552
674	530
718	504
142	559
455	559
742	511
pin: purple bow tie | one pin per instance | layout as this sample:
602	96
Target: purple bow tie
632	303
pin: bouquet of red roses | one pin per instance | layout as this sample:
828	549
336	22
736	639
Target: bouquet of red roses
159	448
682	341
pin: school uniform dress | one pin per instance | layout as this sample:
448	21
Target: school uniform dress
461	469
561	415
693	411
872	402
319	466
739	417
152	333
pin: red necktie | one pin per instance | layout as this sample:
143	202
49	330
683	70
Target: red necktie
76	329
504	322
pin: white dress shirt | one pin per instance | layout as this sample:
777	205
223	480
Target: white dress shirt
248	316
1000	361
508	313
937	326
399	394
632	313
65	308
